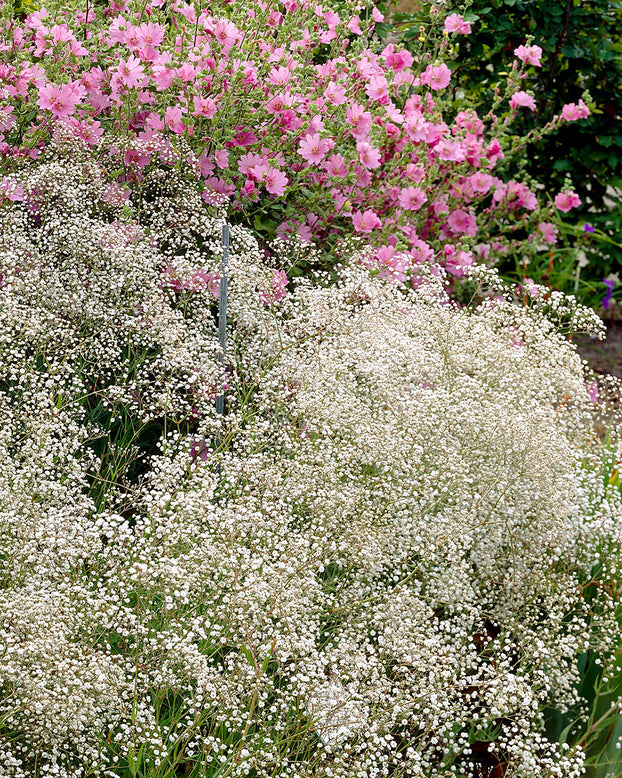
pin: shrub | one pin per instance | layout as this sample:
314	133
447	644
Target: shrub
580	54
298	118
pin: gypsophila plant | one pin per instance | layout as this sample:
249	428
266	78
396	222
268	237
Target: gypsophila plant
385	560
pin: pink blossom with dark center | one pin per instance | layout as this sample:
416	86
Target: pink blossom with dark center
456	23
530	55
412	198
436	77
365	221
566	201
313	148
462	223
522	100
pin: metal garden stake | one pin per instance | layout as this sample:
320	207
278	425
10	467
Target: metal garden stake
222	315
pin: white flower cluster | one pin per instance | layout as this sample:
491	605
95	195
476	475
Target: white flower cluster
373	566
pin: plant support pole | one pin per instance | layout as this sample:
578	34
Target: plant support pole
222	316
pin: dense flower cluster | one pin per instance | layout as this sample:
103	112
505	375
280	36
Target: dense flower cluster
373	565
293	114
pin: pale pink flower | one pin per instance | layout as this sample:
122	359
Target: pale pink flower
335	165
522	99
275	181
378	90
335	93
412	198
130	72
277	289
12	190
60	100
393	265
173	120
566	201
359	120
149	34
573	112
481	182
221	158
397	60
593	392
462	222
313	148
163	78
365	222
204	106
450	151
548	232
369	156
279	76
436	77
457	261
456	23
377	15
530	55
354	25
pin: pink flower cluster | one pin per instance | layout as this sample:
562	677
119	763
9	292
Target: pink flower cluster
234	96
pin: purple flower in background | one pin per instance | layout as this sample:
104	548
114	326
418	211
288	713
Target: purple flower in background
607	298
588	227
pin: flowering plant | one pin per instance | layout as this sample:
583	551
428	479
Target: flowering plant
297	118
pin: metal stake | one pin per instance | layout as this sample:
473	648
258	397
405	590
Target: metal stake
222	314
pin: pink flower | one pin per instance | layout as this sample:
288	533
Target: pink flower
530	55
275	181
131	72
573	112
12	190
462	222
566	201
163	78
397	60
172	119
593	392
313	148
436	77
221	158
354	25
149	34
365	222
368	155
335	93
279	76
548	232
277	289
412	198
359	120
378	90
457	262
335	165
522	99
204	106
481	182
456	23
392	264
60	100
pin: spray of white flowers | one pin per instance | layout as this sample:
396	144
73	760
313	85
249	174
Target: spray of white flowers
376	564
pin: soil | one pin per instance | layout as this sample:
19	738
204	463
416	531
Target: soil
604	356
